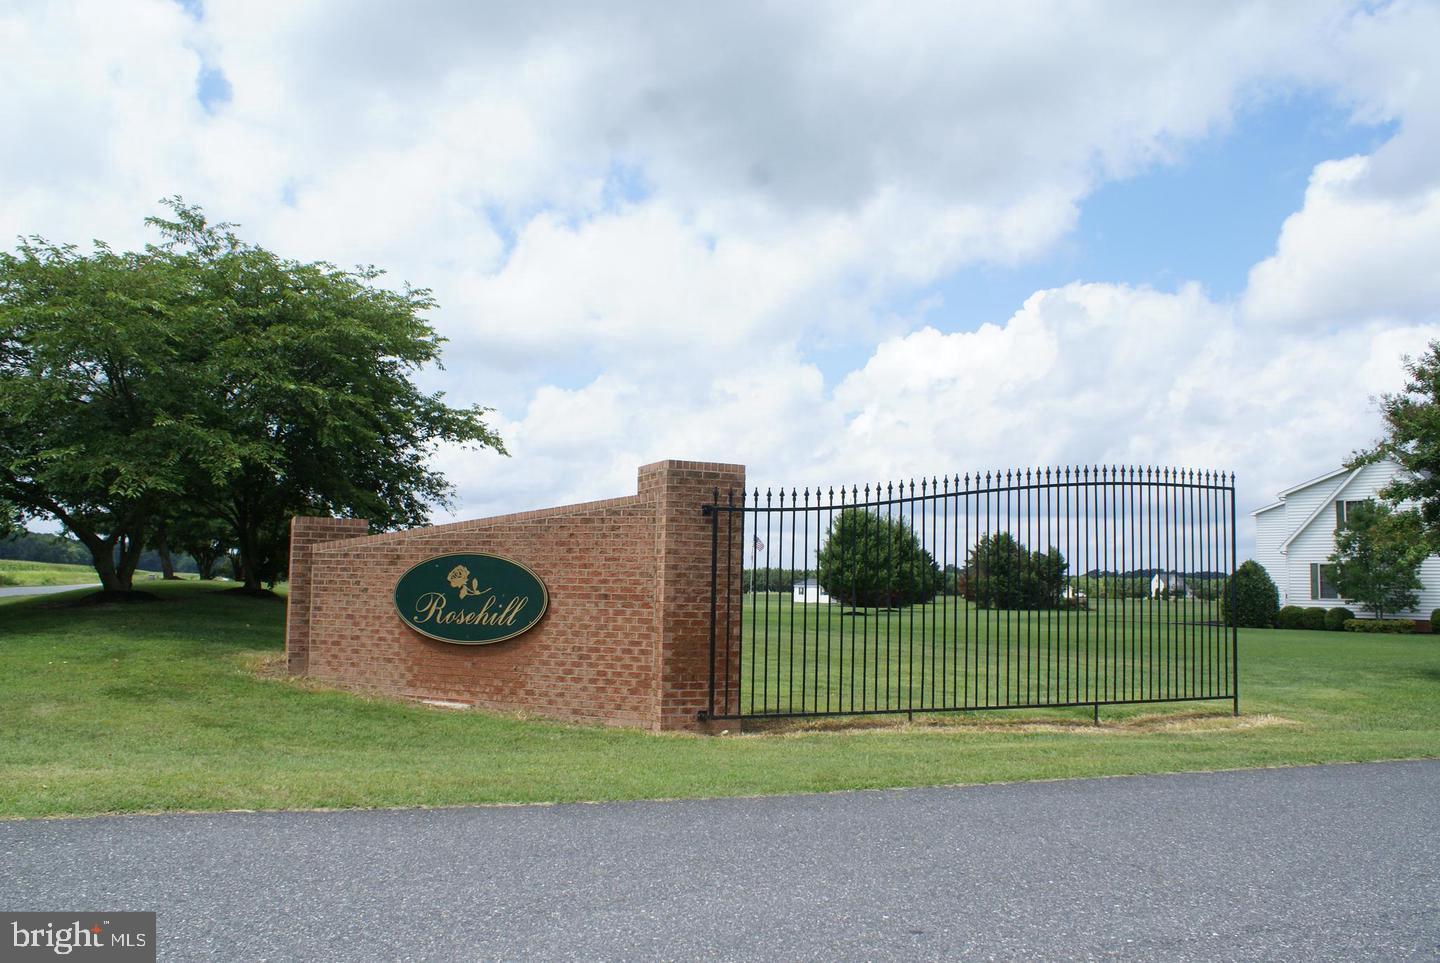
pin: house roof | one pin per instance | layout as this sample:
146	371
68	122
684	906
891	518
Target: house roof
1270	507
1314	481
1319	509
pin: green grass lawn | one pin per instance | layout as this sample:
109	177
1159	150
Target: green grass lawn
159	706
829	657
14	572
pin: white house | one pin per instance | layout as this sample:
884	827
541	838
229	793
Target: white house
1295	536
1169	583
809	591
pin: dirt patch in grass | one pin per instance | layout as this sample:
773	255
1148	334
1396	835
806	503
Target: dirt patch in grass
994	722
267	665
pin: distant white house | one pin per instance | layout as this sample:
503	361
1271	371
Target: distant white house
809	591
1164	584
1295	536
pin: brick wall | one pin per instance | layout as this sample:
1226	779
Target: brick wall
625	639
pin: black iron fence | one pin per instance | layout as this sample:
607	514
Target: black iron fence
1055	587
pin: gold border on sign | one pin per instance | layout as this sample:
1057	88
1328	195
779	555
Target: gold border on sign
544	597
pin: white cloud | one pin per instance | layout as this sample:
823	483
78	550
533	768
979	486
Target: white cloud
1101	373
645	223
1352	253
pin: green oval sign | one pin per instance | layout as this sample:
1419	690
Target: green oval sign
470	599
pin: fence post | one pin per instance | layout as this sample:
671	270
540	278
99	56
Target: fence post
1230	609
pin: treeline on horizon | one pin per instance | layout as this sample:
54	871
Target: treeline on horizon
64	550
1096	583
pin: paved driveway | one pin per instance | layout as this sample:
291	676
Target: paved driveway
1334	862
14	590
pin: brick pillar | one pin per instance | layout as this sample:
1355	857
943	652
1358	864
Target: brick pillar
305	533
682	591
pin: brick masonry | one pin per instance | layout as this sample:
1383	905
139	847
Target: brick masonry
626	637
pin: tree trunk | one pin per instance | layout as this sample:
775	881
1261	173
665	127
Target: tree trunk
102	557
204	562
248	569
116	576
131	547
167	564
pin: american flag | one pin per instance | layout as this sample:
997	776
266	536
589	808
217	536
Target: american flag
759	546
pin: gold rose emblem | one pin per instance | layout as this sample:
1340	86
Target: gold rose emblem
459	578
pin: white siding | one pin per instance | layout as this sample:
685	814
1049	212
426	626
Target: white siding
1316	542
1270	531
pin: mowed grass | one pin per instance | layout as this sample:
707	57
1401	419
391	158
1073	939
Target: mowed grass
13	572
151	707
816	658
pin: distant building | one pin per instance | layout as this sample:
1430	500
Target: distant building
809	591
1295	536
1164	584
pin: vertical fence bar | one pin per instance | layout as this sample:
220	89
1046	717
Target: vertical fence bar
765	626
1032	605
1192	597
713	510
729	589
840	590
822	590
1234	622
969	600
913	564
943	609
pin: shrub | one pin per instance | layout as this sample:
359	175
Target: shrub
1336	618
1289	617
1387	626
1313	619
1253	595
1435	621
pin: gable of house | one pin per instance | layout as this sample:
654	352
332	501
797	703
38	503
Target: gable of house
1298	532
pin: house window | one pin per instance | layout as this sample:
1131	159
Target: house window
1342	512
1322	581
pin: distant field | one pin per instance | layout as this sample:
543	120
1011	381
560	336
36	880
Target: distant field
53	573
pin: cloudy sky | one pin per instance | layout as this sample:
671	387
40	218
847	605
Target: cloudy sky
833	242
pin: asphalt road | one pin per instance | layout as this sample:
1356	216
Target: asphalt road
15	590
1333	862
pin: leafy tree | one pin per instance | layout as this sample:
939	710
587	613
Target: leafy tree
213	375
1377	557
303	401
89	346
872	561
1412	419
206	540
1251	599
11	520
1003	574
